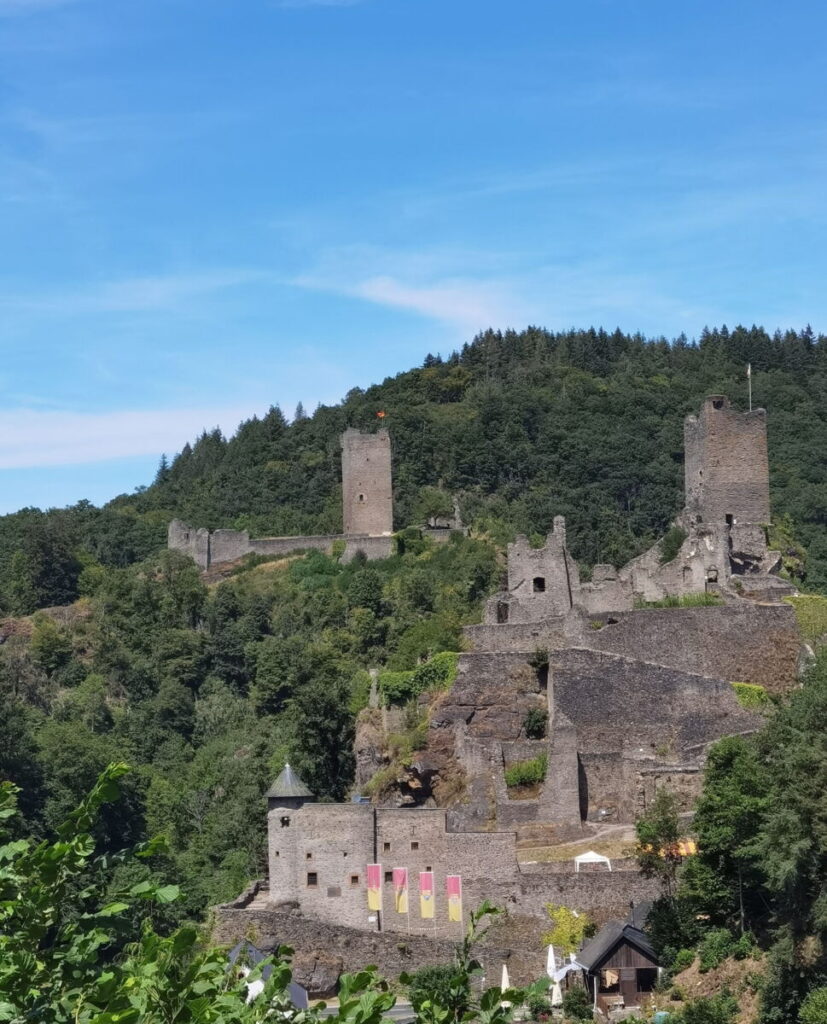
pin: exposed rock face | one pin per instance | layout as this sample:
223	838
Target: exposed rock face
368	746
318	971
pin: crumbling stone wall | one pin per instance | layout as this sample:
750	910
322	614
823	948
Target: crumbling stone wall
736	642
605	695
726	465
367	514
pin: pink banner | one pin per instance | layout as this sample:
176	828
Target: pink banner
400	889
426	894
374	880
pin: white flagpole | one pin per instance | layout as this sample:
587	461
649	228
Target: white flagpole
749	384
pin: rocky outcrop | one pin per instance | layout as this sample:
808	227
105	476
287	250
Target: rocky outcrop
318	971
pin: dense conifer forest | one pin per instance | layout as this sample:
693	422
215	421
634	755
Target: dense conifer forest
115	649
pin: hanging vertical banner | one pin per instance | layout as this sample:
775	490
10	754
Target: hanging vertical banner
453	887
400	889
374	877
426	894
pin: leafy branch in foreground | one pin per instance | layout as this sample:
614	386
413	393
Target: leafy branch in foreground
71	954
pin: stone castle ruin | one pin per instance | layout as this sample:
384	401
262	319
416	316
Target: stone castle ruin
634	694
367	514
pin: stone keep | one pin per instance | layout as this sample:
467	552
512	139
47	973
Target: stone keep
726	466
367	495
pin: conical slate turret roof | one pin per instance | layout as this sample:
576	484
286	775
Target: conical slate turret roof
288	784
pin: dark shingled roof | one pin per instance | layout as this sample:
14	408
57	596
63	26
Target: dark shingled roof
288	784
596	951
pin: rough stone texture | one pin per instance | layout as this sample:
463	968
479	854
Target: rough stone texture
367	495
318	971
601	894
604	696
367	514
726	468
542	582
518	637
391	952
738	642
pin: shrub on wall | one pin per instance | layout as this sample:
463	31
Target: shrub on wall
671	544
568	929
527	773
438	673
752	696
811	612
535	723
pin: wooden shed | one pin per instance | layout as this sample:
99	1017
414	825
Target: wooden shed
620	967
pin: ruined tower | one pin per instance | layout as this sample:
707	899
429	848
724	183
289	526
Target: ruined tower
367	496
726	468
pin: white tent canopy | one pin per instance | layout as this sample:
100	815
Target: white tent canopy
590	857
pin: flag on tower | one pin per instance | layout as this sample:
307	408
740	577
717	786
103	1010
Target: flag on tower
426	894
374	877
453	887
400	889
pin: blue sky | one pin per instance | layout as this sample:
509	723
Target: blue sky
209	206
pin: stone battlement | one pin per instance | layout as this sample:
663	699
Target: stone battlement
367	514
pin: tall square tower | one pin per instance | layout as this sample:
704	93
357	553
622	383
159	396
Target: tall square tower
367	493
726	467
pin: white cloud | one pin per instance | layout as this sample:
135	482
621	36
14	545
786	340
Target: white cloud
468	290
36	437
135	294
470	305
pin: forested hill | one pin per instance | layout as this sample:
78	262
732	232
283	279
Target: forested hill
207	689
522	426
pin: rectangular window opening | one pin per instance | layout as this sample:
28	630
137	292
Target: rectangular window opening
312	879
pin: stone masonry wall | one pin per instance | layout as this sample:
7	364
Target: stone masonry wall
726	465
600	893
367	494
738	642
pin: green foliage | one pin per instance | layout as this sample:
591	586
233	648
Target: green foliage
717	945
433	503
671	544
683	958
432	984
535	723
528	772
752	696
74	949
438	673
51	646
576	1004
718	1009
702	600
811	613
568	929
781	537
445	994
658	832
539	659
814	1008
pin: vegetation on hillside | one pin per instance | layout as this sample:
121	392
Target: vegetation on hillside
113	648
521	426
760	876
208	690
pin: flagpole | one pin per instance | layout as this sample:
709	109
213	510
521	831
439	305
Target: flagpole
749	384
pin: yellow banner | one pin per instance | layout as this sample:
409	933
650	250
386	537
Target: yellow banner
426	894
374	879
